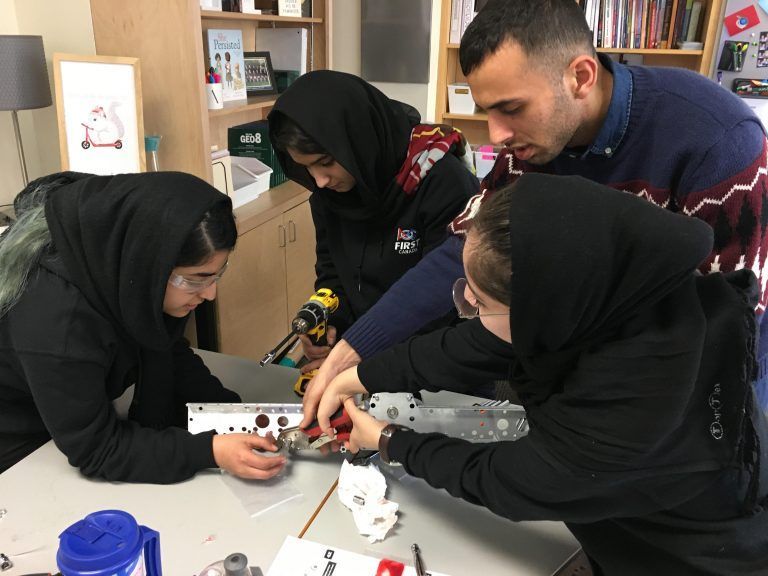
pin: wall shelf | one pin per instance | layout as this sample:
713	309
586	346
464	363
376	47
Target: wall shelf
479	117
216	15
237	106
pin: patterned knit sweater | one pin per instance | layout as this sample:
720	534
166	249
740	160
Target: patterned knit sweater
685	144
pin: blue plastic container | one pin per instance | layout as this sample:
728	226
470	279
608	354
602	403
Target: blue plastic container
109	543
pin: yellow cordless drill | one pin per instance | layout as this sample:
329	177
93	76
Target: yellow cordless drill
312	320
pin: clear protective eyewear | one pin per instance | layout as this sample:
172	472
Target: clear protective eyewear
192	286
464	307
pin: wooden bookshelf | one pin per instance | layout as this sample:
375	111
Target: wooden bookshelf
449	70
274	256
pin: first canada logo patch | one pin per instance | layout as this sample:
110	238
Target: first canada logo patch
407	241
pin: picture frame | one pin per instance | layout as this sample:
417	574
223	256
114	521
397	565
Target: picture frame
290	8
100	116
259	74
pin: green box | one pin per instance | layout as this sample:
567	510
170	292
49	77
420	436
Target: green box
252	140
284	78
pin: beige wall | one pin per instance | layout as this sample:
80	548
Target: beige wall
65	26
346	56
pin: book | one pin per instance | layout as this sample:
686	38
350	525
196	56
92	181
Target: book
225	54
467	14
693	26
287	47
455	36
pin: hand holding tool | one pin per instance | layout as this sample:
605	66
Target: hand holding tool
311	319
312	437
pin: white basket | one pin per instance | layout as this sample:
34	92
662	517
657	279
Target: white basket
250	177
460	99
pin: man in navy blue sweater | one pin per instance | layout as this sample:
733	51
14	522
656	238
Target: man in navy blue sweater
668	135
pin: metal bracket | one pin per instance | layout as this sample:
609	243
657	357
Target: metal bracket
489	422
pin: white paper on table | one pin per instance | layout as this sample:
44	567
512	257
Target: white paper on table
306	558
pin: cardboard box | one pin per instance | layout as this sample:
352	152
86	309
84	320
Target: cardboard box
250	177
460	99
252	141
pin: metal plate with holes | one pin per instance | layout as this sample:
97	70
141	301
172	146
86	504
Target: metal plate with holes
255	418
489	422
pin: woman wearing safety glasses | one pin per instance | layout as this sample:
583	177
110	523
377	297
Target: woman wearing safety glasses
98	276
636	373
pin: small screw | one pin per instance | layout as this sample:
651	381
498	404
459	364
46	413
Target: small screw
3	512
5	562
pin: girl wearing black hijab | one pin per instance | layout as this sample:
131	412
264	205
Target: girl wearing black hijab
97	278
635	372
384	186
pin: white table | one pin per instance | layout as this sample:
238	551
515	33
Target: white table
201	520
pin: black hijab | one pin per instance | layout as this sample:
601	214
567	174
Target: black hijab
119	238
628	360
364	131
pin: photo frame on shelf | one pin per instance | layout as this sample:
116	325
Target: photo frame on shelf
259	74
99	110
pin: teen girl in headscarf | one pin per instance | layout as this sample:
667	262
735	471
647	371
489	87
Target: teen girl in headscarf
635	372
384	186
97	278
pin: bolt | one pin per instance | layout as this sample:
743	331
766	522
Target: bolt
5	562
393	412
409	397
375	397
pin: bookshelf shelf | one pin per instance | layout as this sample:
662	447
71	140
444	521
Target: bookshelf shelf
652	51
236	107
648	51
216	15
479	117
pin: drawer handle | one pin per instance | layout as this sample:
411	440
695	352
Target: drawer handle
281	239
291	231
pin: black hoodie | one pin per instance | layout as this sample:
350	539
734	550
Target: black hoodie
369	237
635	373
90	323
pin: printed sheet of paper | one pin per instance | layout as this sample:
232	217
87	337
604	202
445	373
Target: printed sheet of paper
306	558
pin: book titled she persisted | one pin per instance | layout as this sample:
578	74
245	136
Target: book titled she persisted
225	53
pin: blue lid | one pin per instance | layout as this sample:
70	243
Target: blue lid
151	143
102	541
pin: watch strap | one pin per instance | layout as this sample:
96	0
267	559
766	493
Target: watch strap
384	438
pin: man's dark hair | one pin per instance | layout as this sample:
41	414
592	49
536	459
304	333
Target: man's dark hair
287	134
549	31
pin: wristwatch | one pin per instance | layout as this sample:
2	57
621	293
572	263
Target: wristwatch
386	434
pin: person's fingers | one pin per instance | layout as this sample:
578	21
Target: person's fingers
328	405
311	350
258	473
331	336
313	365
251	460
260	442
311	399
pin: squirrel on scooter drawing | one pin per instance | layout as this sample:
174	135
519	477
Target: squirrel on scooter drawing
105	127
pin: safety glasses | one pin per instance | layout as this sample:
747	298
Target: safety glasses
192	286
466	309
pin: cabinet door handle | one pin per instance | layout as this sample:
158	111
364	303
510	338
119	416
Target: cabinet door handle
281	230
291	231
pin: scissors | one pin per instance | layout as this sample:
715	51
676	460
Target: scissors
312	437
